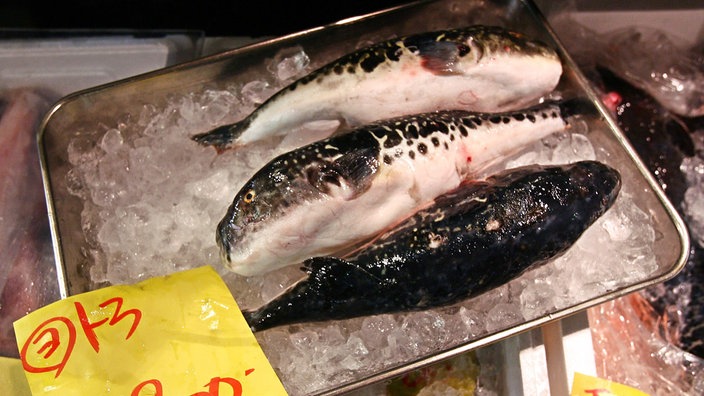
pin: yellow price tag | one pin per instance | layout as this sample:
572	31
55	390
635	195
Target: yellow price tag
585	385
180	335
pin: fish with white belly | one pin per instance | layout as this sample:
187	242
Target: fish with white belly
478	68
336	193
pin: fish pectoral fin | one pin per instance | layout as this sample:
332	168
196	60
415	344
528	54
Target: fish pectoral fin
328	180
440	58
348	176
357	170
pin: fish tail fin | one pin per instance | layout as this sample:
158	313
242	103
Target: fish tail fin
221	138
334	289
577	106
253	319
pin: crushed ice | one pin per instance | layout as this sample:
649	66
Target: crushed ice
152	200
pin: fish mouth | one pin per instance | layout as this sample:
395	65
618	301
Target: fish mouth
223	239
606	180
235	255
225	256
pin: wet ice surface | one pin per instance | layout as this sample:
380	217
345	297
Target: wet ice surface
153	199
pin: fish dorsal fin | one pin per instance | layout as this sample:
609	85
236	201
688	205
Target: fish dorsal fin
347	176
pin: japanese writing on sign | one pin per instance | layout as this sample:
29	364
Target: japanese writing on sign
160	337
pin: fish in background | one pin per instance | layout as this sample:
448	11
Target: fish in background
662	139
27	271
650	59
309	202
478	68
473	239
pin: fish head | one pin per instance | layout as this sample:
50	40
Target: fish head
596	181
275	219
264	200
498	60
463	50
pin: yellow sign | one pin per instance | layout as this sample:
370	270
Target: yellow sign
585	385
12	379
178	335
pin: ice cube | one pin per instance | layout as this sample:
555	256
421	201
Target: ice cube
112	141
257	91
289	63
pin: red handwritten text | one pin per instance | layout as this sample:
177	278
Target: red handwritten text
55	351
48	348
234	386
598	392
88	328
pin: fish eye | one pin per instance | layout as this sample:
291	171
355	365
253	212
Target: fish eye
249	196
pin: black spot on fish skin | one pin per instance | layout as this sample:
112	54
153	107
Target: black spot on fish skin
338	69
393	53
371	62
470	123
350	69
506	120
387	159
393	139
530	117
519	117
435	141
411	132
452	137
409	142
447	146
427	129
422	148
463	131
495	119
412	154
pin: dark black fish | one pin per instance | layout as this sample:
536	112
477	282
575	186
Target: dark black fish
661	138
471	240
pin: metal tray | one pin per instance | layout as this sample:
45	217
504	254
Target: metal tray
85	117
